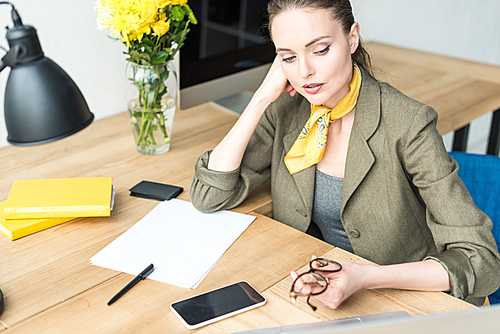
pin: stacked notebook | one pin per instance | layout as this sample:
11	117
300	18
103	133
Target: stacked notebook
34	205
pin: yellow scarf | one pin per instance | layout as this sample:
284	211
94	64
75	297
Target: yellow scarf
309	146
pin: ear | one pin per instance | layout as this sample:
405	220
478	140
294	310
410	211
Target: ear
354	37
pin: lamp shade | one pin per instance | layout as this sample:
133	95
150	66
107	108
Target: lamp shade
42	103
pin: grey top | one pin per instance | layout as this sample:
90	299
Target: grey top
326	210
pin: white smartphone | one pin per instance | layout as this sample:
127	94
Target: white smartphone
215	305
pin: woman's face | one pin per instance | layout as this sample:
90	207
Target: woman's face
315	53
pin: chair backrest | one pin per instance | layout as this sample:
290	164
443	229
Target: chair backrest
481	176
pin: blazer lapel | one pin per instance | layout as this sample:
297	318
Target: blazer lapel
304	180
360	158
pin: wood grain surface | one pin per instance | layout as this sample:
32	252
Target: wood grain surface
459	90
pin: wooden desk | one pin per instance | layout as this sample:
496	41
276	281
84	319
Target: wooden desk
281	312
50	286
459	90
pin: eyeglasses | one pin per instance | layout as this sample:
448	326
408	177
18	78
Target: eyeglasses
311	283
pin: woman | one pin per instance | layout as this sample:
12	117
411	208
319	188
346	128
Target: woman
354	157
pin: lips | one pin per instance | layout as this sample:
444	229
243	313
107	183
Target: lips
312	88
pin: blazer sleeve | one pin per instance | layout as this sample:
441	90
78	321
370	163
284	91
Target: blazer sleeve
214	190
462	232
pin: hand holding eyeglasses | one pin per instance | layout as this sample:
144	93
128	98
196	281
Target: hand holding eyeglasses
312	282
327	281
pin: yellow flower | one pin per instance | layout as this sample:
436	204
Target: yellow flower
125	23
139	33
104	14
179	2
140	6
119	6
162	3
160	27
148	14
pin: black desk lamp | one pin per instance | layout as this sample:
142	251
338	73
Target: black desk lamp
42	103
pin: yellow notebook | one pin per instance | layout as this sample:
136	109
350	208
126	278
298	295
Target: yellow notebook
63	197
17	228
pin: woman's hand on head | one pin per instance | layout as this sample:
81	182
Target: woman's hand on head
275	83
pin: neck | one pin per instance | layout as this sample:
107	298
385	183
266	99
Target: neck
343	124
340	94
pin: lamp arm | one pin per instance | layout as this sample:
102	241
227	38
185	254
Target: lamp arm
10	58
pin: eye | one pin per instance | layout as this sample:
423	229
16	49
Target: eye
288	59
323	51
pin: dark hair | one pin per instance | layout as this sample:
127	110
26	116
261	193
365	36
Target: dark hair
341	12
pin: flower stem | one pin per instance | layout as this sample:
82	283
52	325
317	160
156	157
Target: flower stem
149	111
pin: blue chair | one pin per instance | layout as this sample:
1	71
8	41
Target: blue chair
481	176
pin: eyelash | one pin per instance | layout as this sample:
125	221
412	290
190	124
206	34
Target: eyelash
319	53
288	59
324	51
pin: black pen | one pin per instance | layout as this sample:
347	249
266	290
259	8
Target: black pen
145	273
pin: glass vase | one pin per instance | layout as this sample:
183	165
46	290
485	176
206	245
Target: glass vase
153	105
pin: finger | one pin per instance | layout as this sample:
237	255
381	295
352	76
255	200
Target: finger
307	283
320	300
327	301
325	265
302	286
289	88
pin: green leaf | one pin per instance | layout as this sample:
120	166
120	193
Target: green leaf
113	38
161	54
164	76
159	60
134	56
147	44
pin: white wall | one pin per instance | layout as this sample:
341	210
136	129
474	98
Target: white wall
69	36
460	28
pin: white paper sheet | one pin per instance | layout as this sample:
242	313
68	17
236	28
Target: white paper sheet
181	242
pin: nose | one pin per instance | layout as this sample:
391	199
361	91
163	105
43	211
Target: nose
306	68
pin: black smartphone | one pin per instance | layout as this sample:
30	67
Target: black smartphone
155	190
209	307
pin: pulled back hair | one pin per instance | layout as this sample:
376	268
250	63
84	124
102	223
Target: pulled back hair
341	11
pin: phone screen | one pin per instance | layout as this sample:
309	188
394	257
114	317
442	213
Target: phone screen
217	304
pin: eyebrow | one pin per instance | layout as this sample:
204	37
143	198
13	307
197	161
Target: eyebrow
317	39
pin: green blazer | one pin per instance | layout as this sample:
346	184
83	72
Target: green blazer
402	200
